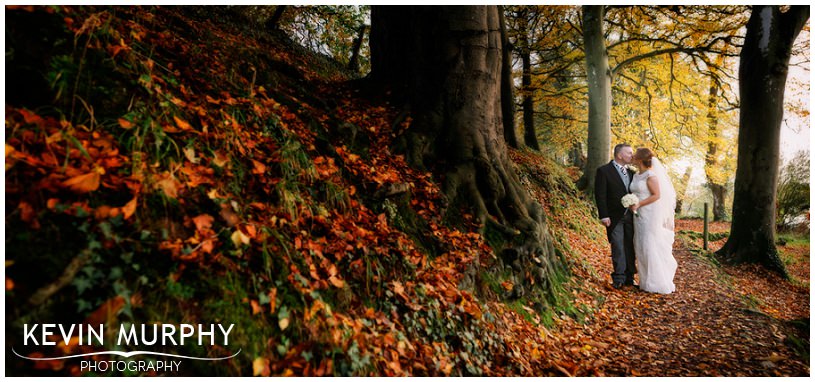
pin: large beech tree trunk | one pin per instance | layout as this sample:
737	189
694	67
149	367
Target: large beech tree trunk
507	93
714	182
599	84
445	62
763	67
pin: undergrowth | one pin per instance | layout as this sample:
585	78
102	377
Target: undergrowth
194	174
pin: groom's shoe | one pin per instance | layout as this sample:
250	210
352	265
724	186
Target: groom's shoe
617	285
631	283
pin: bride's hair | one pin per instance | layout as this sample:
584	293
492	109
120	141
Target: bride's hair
645	155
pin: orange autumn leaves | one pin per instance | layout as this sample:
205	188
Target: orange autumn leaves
64	162
86	182
338	250
204	244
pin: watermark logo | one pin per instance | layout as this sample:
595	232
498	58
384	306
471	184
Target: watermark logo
128	335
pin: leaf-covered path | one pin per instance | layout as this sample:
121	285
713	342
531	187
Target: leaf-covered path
706	328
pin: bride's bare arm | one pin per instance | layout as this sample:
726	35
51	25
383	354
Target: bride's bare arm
653	186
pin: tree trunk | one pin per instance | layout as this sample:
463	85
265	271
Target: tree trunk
763	67
353	63
274	21
576	157
599	84
682	189
530	137
719	192
390	37
714	180
507	96
446	63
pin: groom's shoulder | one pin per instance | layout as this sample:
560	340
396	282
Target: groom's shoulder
603	172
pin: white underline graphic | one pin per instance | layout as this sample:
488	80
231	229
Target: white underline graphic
126	355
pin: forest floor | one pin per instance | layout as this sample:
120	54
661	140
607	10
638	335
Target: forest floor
721	321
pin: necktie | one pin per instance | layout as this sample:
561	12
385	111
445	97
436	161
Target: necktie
622	169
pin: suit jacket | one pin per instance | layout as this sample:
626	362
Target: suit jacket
609	190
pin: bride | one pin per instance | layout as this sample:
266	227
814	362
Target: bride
653	223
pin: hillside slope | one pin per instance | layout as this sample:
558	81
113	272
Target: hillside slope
162	167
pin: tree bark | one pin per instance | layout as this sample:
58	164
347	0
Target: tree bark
576	157
599	84
530	136
507	86
716	186
682	189
445	61
353	63
718	191
763	67
274	21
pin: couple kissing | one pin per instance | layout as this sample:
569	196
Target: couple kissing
635	202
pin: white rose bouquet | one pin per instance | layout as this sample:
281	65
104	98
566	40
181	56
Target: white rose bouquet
630	200
633	169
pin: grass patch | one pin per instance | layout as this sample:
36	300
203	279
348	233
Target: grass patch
706	255
711	236
556	302
792	238
402	216
793	249
752	302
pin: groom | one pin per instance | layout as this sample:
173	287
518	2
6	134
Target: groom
611	183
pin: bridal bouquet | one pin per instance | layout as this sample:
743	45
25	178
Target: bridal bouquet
630	200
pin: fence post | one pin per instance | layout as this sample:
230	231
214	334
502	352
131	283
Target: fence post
704	234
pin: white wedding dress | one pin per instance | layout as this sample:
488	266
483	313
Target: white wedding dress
654	232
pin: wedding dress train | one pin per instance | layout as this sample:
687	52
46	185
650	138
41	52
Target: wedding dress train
654	233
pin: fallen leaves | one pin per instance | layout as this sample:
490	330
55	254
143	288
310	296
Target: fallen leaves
220	159
258	168
283	322
66	158
27	212
86	182
260	367
700	330
130	208
203	222
181	124
107	312
167	183
239	238
256	309
125	124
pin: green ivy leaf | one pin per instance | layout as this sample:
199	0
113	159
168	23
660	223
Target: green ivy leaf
264	299
82	305
82	284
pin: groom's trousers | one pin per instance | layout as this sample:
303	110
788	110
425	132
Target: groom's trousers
622	250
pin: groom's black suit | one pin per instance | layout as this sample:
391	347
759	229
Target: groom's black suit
609	190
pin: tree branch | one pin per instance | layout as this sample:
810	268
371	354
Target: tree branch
655	53
64	279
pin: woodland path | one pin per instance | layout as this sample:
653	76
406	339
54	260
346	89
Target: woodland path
706	328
